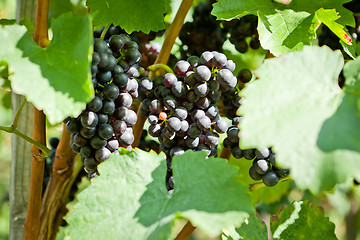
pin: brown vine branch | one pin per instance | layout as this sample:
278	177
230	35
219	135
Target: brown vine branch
61	179
32	222
225	153
186	231
163	58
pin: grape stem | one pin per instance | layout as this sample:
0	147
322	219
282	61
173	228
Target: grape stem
255	186
185	232
13	129
104	31
155	67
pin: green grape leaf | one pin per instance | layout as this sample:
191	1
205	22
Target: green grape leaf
301	221
310	6
230	9
289	27
328	17
129	199
286	31
55	79
299	96
135	15
252	228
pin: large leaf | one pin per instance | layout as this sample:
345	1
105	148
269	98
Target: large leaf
134	15
230	9
129	199
55	79
297	107
301	221
289	27
310	6
286	31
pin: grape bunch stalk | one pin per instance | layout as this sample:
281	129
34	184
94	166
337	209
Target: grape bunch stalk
106	123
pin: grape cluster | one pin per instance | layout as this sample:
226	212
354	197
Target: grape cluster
182	106
148	50
106	123
242	29
264	165
204	33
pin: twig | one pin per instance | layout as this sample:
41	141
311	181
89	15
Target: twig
102	36
158	66
17	115
13	129
186	231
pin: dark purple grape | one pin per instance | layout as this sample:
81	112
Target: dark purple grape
219	60
253	174
201	89
116	42
155	130
249	154
90	163
108	107
174	124
111	91
153	119
194	61
233	134
124	100
206	58
85	151
130	118
112	145
88	132
176	151
170	102
284	172
73	125
237	152
102	154
96	142
203	123
127	138
89	119
119	126
181	67
261	166
221	126
197	114
270	179
178	89
194	131
169	80
262	153
155	106
189	78
120	80
95	105
192	142
181	113
212	139
102	118
203	103
132	56
244	75
105	131
202	73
